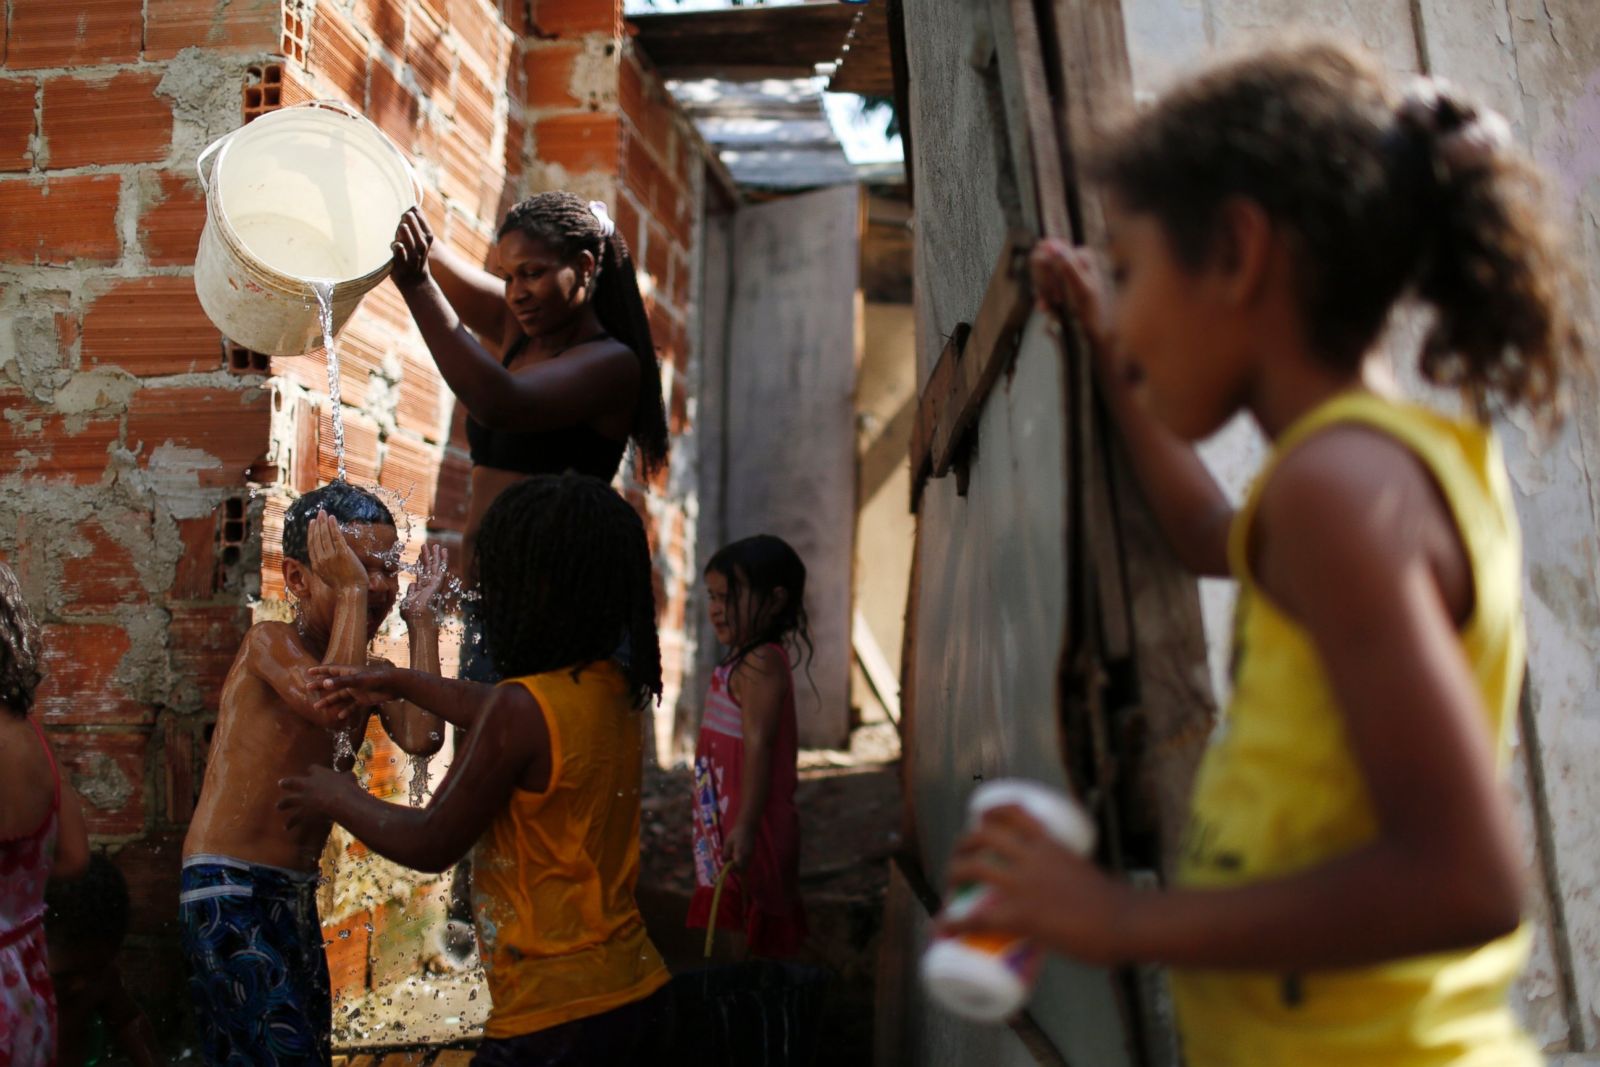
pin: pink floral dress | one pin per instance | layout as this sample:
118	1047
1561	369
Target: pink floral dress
763	901
27	999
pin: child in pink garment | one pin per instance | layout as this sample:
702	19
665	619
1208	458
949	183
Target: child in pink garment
42	836
745	773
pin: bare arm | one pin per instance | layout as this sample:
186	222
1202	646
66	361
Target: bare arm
1191	508
1442	872
414	729
510	736
476	295
581	386
277	658
340	690
759	686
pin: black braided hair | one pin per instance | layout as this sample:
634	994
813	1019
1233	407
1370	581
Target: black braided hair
19	647
345	502
564	223
563	568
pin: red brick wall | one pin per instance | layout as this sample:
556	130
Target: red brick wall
145	464
131	437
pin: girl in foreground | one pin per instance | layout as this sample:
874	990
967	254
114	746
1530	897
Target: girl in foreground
547	784
1350	888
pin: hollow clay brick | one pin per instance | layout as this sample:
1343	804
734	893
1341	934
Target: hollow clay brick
215	25
47	33
172	217
221	432
549	73
204	639
411	469
573	18
40	444
16	122
339	55
450	492
107	768
580	143
393	107
99	574
360	448
151	326
60	220
196	575
81	660
116	120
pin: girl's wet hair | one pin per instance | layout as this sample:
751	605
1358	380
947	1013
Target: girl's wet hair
19	647
764	564
563	568
345	502
563	223
1386	193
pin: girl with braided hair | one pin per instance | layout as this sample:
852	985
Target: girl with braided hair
1350	886
42	837
554	364
545	790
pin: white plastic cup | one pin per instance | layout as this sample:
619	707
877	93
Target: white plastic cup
987	977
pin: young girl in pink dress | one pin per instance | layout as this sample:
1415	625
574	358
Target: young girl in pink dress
41	836
745	773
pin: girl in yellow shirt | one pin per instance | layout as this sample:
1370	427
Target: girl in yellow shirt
545	790
1351	887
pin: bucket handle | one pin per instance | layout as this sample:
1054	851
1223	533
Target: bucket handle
328	105
200	160
345	109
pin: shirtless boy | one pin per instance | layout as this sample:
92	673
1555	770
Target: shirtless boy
248	910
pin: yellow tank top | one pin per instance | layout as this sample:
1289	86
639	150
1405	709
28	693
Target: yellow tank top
1279	791
553	877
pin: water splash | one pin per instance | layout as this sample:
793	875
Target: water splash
418	785
343	753
322	288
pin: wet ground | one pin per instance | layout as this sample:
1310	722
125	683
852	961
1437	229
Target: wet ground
849	802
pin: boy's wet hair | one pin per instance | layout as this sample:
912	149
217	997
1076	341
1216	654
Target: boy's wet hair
563	568
1386	193
563	223
765	564
19	646
345	502
91	910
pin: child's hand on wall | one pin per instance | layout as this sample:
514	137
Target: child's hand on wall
413	240
422	601
1068	282
332	558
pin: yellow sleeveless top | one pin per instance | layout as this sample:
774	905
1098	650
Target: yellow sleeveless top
1279	791
553	877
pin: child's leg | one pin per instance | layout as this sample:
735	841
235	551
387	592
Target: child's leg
259	996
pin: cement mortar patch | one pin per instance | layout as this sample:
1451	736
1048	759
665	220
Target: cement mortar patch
205	93
102	783
103	391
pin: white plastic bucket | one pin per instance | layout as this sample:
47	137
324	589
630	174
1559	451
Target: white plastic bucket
312	191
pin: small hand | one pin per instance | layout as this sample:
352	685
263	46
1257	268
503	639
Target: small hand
422	600
309	799
332	558
334	687
1068	280
412	242
739	847
1039	889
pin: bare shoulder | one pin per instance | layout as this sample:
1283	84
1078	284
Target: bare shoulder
762	669
1345	517
1352	481
278	643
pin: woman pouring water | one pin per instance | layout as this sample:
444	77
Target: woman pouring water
555	364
